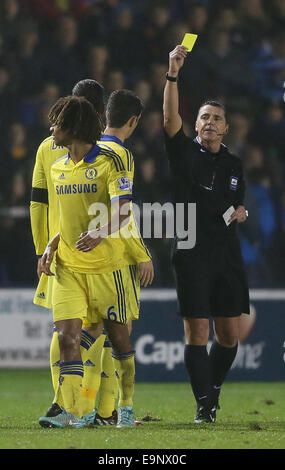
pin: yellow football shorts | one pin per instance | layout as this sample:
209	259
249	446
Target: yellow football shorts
95	297
43	294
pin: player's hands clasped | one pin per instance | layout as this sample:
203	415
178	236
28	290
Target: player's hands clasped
146	273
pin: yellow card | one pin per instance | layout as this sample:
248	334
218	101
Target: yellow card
189	41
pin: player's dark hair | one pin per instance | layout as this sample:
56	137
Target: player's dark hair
121	106
77	116
216	104
92	91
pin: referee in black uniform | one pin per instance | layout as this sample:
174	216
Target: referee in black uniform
210	277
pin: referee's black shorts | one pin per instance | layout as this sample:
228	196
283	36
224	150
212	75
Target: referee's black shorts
211	281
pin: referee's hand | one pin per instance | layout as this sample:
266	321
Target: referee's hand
240	215
176	60
146	273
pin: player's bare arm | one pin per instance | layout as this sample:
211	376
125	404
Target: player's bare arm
171	117
89	240
46	259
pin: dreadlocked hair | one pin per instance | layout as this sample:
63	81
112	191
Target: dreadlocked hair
77	116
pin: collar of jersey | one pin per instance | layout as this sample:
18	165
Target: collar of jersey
90	156
111	138
222	148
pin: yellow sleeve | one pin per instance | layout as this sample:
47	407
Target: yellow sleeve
39	205
120	182
120	185
135	248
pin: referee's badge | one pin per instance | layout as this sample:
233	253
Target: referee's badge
233	183
91	173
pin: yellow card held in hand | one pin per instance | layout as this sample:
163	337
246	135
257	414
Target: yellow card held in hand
189	41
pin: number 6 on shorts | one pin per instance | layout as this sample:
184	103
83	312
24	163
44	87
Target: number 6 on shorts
111	314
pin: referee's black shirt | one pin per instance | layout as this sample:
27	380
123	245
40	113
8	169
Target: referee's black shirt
214	181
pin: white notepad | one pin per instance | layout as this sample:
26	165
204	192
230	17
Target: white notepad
227	214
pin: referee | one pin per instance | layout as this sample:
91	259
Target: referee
210	277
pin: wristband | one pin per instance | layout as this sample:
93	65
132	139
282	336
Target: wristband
171	79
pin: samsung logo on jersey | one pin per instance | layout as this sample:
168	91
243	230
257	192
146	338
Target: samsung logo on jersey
76	188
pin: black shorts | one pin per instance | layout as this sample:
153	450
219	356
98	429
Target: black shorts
211	281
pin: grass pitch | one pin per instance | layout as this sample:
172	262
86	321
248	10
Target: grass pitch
252	416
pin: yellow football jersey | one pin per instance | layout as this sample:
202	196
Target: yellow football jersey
100	177
135	249
44	207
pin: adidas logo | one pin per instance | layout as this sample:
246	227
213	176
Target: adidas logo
41	295
61	177
89	363
104	376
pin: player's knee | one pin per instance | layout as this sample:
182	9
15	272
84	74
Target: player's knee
68	342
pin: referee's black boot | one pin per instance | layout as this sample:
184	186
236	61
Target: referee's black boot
205	415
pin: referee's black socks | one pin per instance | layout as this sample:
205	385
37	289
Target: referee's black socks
221	360
198	366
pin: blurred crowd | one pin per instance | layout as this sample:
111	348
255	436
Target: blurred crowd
239	58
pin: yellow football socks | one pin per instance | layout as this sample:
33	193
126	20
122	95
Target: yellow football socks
91	352
70	383
125	366
109	383
54	367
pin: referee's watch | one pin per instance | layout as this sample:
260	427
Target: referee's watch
171	79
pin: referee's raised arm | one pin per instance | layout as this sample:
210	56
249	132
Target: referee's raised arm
171	117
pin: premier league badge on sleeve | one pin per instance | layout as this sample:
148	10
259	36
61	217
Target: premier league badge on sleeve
233	183
124	184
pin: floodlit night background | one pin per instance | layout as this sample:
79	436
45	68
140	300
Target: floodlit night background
239	57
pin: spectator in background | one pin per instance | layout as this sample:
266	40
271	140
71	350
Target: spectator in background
197	19
259	181
97	62
115	80
49	94
155	32
19	149
124	40
7	102
16	166
225	67
258	235
227	19
65	66
10	19
272	139
142	89
146	186
240	126
52	9
276	9
176	33
254	22
28	59
157	81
